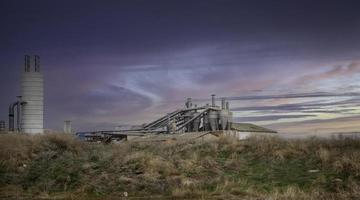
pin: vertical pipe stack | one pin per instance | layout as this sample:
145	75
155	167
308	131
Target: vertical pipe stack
213	100
32	92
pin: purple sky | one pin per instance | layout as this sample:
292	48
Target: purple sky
281	63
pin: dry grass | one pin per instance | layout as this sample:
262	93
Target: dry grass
60	166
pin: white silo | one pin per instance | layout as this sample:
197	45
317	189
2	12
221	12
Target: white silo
32	92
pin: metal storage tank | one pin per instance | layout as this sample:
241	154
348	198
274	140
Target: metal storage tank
214	120
32	92
224	119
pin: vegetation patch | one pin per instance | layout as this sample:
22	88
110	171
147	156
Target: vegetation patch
62	167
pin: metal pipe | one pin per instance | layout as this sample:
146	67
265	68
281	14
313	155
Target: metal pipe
12	116
156	122
165	118
213	100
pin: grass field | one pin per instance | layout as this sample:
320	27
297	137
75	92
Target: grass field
59	166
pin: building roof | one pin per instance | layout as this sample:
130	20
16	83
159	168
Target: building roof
247	127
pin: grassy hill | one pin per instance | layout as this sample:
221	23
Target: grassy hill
59	166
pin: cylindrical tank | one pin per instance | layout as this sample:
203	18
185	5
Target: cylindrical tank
213	119
224	118
32	92
2	126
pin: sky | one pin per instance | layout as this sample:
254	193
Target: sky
293	66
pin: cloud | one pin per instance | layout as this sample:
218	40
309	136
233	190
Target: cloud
335	72
269	118
305	106
289	96
317	126
293	108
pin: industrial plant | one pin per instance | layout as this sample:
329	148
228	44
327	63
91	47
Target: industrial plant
26	115
191	122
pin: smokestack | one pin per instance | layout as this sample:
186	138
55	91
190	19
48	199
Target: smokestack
213	100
